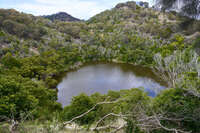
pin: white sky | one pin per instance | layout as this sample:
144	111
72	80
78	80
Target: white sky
83	9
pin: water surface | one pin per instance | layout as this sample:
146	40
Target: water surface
102	77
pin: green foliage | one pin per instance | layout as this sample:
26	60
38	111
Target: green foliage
82	103
177	103
20	25
22	95
15	96
1	34
166	33
72	29
132	128
197	44
10	61
15	28
35	52
79	105
176	44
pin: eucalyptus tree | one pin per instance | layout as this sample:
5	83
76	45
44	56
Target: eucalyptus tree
180	70
186	7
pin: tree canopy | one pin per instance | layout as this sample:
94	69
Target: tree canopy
187	7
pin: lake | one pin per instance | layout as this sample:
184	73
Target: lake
102	77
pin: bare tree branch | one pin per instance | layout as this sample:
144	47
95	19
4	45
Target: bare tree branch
77	117
108	115
172	68
168	129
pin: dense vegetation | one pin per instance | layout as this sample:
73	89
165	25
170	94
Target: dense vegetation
62	16
34	52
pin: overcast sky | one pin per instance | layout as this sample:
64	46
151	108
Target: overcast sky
82	9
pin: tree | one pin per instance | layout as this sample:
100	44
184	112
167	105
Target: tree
23	95
79	105
187	7
178	109
10	61
172	70
15	97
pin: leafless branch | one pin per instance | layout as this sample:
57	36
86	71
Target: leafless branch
118	129
108	115
172	68
168	129
101	103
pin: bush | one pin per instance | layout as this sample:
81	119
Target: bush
15	97
178	104
79	105
197	44
166	33
21	25
10	61
22	95
15	28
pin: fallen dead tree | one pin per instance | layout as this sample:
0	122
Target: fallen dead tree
146	123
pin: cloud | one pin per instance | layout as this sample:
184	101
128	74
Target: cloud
77	8
83	9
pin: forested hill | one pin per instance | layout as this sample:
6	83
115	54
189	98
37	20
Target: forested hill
146	21
35	52
124	18
62	16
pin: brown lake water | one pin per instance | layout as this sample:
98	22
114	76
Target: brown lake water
102	77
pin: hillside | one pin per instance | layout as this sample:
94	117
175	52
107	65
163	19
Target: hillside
146	21
113	25
35	52
62	16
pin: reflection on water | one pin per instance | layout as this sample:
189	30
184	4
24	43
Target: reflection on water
101	77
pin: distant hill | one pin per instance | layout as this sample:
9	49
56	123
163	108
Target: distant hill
62	16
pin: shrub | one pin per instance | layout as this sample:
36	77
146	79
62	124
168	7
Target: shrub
15	96
197	44
79	105
10	61
178	104
166	33
15	28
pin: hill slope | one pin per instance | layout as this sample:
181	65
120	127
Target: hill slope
62	16
115	26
